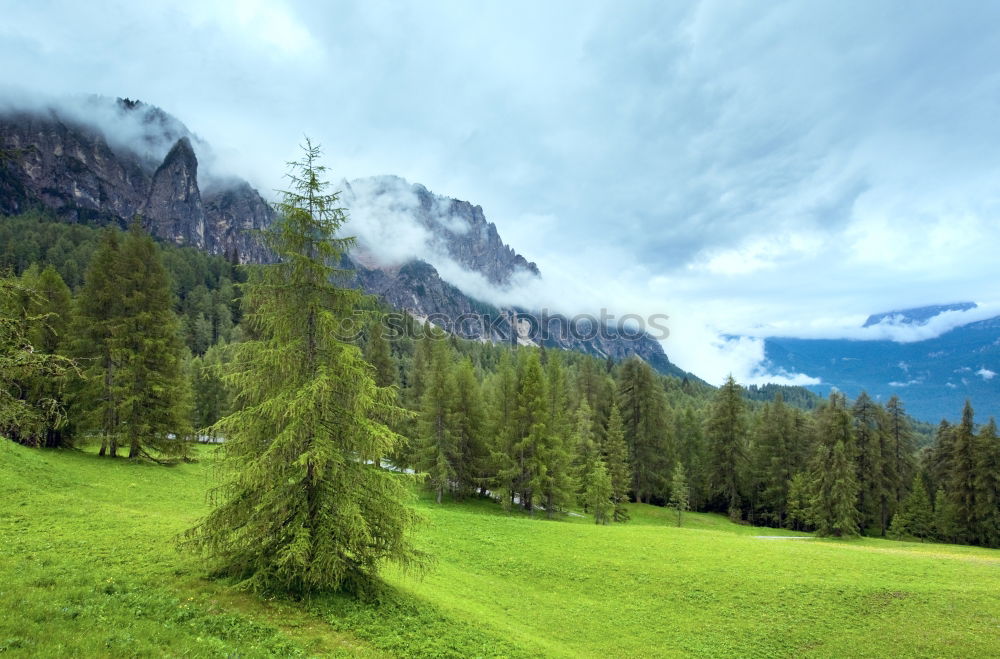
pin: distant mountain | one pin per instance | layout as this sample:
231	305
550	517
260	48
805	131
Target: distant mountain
933	377
108	161
918	315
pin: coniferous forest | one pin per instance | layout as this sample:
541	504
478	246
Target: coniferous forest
142	348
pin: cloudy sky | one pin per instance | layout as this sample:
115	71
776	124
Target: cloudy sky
747	168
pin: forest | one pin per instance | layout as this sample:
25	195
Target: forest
111	339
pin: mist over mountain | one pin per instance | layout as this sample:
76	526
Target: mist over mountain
100	161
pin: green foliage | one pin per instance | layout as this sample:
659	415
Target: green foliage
834	486
679	497
726	432
616	457
30	381
136	393
647	425
304	506
916	516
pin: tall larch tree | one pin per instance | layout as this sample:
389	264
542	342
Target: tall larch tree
303	506
726	433
899	463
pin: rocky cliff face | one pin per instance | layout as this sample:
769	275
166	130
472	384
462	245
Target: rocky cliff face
55	161
446	227
97	173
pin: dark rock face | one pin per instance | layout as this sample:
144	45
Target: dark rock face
173	210
52	161
236	211
68	168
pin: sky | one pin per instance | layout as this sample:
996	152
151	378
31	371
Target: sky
749	169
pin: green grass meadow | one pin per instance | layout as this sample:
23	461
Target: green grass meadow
88	567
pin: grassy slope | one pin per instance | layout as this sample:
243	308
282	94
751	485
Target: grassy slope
87	567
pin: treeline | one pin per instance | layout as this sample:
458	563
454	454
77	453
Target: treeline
547	431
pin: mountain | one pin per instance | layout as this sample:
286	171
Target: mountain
917	316
60	162
109	161
934	377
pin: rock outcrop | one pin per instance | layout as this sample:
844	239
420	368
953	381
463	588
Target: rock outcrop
53	160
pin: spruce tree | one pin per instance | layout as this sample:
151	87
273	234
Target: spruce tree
437	451
915	516
303	506
900	465
868	427
799	506
726	431
502	431
597	494
833	501
96	320
961	486
153	390
679	497
946	527
556	452
647	428
988	485
531	432
468	426
616	458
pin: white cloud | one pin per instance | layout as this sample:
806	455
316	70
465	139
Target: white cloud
761	170
986	373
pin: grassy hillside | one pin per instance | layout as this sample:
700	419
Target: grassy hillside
88	567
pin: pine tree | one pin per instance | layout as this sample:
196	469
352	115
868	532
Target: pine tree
915	516
597	494
647	429
437	451
961	485
776	457
95	328
679	498
587	452
468	426
616	458
799	502
304	507
901	448
868	426
945	521
556	452
531	433
988	485
502	431
154	393
833	501
726	431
